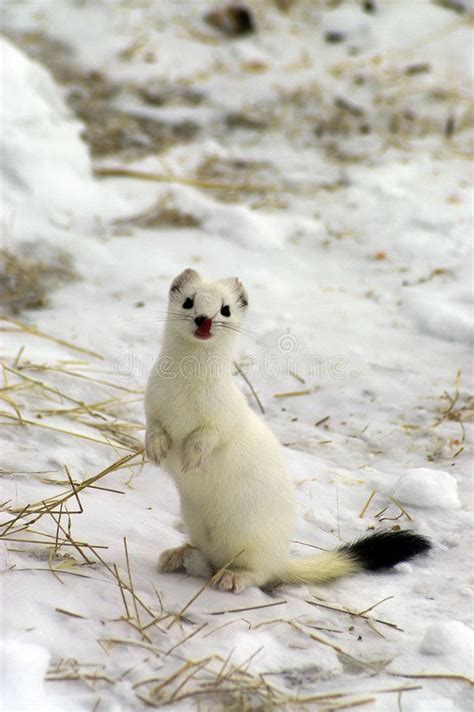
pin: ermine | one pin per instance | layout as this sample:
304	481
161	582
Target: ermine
237	499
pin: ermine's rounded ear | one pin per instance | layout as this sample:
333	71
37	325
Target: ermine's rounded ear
239	290
189	275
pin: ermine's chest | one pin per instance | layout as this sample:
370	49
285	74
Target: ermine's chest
184	404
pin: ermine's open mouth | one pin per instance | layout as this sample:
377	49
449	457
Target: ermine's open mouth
204	331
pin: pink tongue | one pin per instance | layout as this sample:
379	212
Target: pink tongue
205	328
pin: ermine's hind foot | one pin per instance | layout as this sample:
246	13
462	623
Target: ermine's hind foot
235	581
173	559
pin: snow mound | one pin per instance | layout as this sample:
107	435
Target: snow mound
44	160
448	638
445	318
423	487
23	668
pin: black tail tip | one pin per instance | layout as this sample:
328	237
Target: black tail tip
385	549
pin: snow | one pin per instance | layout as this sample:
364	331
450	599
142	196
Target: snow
23	668
38	135
357	262
446	647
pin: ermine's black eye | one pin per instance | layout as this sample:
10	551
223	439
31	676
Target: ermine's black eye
188	304
225	311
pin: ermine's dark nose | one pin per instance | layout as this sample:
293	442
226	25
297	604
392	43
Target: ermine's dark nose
200	320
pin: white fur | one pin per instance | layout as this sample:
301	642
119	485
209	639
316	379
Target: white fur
236	497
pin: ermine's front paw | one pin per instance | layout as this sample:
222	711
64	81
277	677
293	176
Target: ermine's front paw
193	456
157	444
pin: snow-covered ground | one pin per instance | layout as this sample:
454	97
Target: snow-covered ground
323	159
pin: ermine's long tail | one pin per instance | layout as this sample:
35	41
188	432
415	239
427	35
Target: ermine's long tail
375	552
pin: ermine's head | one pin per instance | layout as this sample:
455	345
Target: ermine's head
205	312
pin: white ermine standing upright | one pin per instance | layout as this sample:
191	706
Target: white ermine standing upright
237	499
